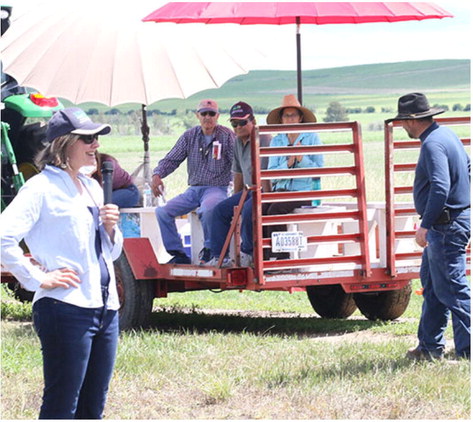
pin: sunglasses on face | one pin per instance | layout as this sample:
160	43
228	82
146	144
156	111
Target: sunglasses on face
241	123
291	116
210	113
88	139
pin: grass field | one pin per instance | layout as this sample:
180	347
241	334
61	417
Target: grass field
252	356
129	151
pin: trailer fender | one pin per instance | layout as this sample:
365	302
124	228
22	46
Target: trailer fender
141	257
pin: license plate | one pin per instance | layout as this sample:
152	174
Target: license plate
288	242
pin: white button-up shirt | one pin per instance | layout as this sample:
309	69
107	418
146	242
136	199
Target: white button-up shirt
52	217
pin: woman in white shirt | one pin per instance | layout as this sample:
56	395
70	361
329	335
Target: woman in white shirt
73	236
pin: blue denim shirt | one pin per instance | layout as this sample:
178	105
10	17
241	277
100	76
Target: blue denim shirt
52	217
280	162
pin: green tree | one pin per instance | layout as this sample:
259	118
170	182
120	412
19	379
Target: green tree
189	120
335	113
113	112
444	106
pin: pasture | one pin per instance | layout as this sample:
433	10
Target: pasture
252	356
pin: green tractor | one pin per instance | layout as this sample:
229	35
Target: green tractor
22	139
23	126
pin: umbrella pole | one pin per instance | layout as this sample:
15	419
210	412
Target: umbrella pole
145	133
299	60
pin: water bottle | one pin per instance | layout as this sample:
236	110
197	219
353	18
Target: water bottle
316	185
147	195
161	199
230	189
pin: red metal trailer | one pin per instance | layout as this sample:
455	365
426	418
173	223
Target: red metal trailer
346	253
358	254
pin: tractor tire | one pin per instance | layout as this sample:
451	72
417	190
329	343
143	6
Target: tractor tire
136	296
331	301
20	293
384	306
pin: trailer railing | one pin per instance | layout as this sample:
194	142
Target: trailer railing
400	163
348	143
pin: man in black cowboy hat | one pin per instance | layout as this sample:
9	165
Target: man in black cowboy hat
442	199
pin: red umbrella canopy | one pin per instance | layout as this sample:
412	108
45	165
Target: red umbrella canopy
281	13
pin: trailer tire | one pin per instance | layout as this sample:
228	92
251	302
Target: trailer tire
331	301
384	306
136	296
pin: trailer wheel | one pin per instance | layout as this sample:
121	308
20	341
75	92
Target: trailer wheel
136	296
384	305
331	301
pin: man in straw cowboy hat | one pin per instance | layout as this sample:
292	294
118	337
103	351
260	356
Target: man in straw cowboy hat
291	112
442	199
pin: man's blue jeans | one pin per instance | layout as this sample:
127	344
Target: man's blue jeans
204	197
446	288
126	197
79	347
222	219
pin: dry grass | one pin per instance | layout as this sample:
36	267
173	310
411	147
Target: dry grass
182	374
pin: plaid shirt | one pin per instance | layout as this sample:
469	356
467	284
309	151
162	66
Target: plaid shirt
204	166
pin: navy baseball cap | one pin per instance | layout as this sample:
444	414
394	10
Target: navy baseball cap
73	120
240	111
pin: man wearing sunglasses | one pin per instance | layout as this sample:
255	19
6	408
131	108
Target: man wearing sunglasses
208	149
243	123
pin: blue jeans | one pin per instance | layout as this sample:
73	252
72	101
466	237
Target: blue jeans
79	347
126	197
204	197
222	219
446	288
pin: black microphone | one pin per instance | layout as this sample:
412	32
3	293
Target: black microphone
107	172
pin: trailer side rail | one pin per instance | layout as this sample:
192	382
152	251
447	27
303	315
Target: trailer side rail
399	181
349	145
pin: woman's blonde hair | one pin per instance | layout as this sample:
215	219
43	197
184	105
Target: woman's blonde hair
55	154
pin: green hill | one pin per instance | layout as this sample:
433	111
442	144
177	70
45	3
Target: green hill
378	85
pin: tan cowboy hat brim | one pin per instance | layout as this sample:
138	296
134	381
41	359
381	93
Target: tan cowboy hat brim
290	101
274	119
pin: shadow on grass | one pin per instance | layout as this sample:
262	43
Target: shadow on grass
197	321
